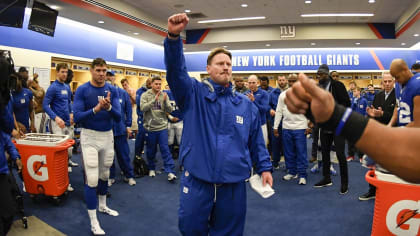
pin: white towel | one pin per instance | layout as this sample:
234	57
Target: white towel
256	183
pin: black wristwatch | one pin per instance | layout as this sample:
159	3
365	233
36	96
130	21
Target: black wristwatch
173	35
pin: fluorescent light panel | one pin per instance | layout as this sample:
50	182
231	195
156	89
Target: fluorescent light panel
232	19
336	14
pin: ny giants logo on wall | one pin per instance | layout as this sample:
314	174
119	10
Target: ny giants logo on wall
287	31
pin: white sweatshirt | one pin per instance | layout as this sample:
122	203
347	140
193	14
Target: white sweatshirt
290	120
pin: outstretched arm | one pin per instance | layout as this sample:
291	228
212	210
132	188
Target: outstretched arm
401	159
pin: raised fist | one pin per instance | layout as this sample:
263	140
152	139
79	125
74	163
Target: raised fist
177	23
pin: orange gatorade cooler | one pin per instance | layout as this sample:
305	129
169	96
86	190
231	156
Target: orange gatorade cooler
45	163
397	205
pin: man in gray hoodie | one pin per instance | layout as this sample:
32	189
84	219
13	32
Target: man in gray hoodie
155	104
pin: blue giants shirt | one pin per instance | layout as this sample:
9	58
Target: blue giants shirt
21	102
405	96
86	98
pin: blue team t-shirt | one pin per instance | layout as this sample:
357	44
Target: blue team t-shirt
21	102
86	98
405	96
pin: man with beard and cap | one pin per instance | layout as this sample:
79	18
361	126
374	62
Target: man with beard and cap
140	138
276	141
338	91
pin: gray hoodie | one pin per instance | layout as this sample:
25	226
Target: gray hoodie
154	111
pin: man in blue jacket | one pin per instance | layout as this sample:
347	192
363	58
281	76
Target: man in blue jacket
96	108
140	138
261	99
276	142
358	104
121	132
222	140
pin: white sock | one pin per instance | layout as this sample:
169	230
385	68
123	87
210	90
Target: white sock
102	201
94	223
103	208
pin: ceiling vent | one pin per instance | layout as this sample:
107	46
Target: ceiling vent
197	15
108	8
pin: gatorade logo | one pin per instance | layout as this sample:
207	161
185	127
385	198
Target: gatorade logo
403	218
36	167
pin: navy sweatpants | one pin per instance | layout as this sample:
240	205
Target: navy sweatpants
295	153
122	151
211	209
153	138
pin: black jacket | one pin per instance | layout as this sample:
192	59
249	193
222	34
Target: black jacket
339	92
387	105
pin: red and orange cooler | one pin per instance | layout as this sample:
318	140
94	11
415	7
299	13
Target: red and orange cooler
45	163
397	205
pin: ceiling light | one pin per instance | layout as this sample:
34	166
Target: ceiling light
225	46
308	2
101	21
402	44
135	33
357	43
187	11
244	5
313	44
336	14
416	35
232	19
371	1
268	45
54	7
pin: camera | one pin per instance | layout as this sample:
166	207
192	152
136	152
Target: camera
8	77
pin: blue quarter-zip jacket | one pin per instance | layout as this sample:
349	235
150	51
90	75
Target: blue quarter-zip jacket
222	134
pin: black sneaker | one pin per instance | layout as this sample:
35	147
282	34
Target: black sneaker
344	189
367	196
323	183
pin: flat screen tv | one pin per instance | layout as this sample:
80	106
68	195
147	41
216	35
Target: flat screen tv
12	13
43	19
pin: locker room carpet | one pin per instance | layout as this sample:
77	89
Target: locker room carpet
150	207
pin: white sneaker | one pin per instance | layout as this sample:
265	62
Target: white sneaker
96	228
289	177
171	177
70	188
131	182
110	182
152	173
73	164
108	211
302	181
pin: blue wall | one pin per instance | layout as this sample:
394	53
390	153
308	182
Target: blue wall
81	42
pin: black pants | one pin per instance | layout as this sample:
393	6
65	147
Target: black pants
327	139
8	207
315	138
